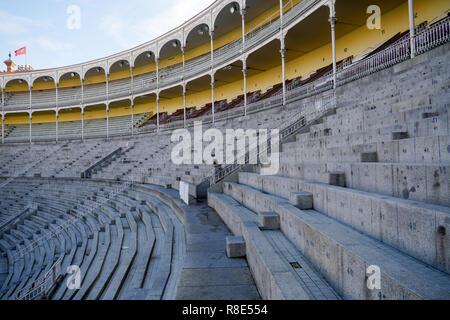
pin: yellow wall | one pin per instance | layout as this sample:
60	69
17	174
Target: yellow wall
354	43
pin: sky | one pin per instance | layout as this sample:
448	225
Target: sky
64	32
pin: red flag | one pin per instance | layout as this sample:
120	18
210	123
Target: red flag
21	51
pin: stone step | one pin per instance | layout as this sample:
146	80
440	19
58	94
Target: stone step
349	253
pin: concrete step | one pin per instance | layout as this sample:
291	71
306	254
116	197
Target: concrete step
347	253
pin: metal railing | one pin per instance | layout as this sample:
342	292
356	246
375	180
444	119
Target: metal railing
429	38
87	174
173	74
299	121
42	287
30	208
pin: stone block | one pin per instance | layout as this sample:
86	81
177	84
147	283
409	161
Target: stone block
400	135
269	220
336	179
235	247
301	200
368	157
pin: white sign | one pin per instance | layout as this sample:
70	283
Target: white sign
184	192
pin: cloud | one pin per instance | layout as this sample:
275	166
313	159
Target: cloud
53	45
123	26
15	25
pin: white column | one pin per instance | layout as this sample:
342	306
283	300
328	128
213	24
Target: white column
332	21
31	114
213	98
184	86
3	128
31	121
244	71
107	106
57	118
3	116
184	105
244	61
57	114
212	76
184	62
107	121
283	68
132	117
157	93
82	91
157	111
243	12
31	89
132	100
412	28
283	53
82	123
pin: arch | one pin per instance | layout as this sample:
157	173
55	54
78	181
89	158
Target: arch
119	65
36	76
170	48
68	75
94	70
101	65
19	80
149	48
43	78
197	33
118	59
224	5
143	57
203	20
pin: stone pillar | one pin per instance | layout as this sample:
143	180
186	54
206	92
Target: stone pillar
31	114
57	114
157	111
57	118
31	121
82	123
332	21
283	68
107	121
82	91
3	128
157	93
212	76
244	71
132	99
132	117
412	28
283	53
213	98
243	12
31	95
107	106
184	105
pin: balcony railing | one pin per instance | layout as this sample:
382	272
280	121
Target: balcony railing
42	287
174	74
